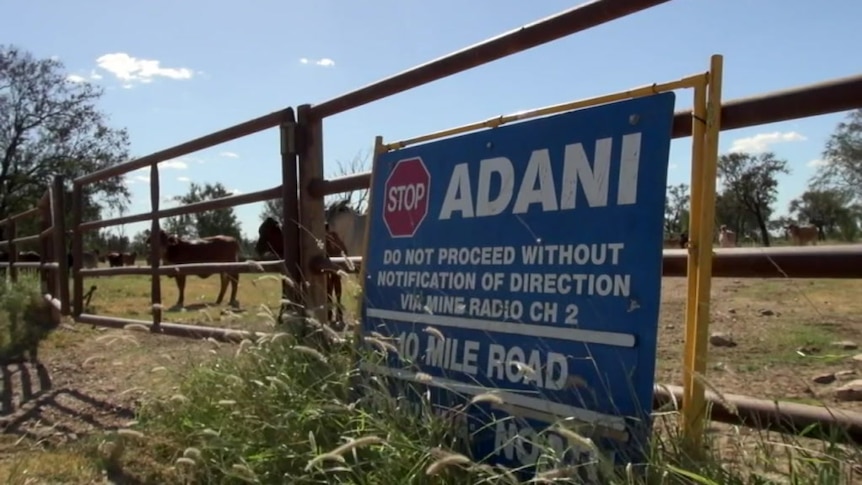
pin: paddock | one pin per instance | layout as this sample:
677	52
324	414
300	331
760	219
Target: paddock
734	309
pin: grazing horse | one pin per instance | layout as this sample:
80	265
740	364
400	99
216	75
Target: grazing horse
726	237
270	239
212	249
674	242
349	224
802	235
115	259
129	258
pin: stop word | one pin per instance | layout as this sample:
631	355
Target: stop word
405	197
406	204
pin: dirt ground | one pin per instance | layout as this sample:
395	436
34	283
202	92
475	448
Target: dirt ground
92	380
787	332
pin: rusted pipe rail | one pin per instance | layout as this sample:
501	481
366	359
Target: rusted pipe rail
537	33
222	136
21	215
172	329
834	425
220	203
829	261
557	26
190	269
50	265
801	102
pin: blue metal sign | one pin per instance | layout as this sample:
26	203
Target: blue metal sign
523	265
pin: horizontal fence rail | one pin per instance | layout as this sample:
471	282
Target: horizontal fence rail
285	120
301	151
249	127
190	269
829	261
834	425
800	102
220	203
554	27
172	329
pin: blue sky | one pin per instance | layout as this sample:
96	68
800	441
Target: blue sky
178	70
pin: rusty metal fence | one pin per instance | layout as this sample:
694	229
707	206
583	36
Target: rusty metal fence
302	160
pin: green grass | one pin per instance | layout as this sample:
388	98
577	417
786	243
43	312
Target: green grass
129	297
281	412
25	318
277	411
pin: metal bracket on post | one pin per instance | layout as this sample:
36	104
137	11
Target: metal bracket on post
311	212
291	292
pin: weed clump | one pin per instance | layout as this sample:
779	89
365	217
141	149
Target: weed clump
279	410
25	319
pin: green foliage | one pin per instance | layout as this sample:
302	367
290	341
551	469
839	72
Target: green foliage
676	209
831	210
843	157
25	318
207	223
50	126
750	187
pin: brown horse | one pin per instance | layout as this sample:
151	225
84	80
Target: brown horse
270	239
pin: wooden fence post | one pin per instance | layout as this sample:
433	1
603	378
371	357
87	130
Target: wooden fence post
58	216
77	250
155	250
312	234
290	209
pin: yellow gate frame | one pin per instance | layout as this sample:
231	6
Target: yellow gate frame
705	129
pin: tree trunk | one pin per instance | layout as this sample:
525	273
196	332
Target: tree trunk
764	232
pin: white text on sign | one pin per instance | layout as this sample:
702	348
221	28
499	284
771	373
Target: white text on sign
436	291
513	364
405	197
539	184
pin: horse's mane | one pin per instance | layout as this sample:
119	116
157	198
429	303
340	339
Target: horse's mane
339	206
268	224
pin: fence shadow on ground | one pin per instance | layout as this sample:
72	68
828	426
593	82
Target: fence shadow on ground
39	412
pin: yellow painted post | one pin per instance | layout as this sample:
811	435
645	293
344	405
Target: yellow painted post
379	149
698	128
697	327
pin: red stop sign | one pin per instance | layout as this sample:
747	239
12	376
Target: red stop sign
405	200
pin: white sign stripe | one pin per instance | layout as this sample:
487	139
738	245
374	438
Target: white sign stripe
542	331
551	408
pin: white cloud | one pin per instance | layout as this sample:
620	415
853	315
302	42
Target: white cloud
175	164
235	192
761	142
816	163
672	166
74	78
95	75
322	62
132	70
229	155
184	179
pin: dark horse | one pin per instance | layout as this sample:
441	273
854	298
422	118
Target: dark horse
270	240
